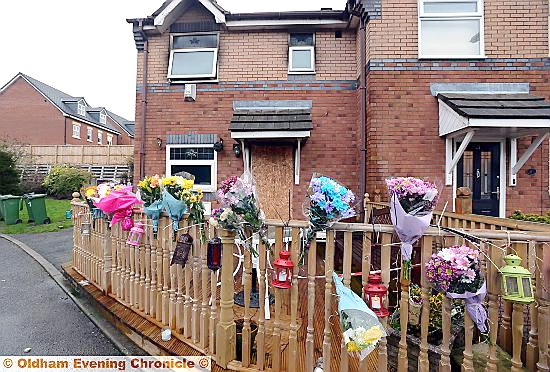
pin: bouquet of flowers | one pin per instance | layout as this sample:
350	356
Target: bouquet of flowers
119	204
360	326
150	192
172	197
193	200
329	202
237	196
456	272
90	196
411	205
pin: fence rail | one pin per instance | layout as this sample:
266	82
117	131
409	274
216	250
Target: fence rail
77	154
301	328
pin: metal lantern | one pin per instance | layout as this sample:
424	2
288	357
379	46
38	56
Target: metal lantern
183	247
282	277
516	281
134	237
85	228
375	294
214	254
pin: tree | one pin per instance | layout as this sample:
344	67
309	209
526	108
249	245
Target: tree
9	175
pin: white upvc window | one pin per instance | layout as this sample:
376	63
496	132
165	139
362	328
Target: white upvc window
90	135
193	56
451	29
301	53
76	130
103	117
81	108
109	140
198	160
99	137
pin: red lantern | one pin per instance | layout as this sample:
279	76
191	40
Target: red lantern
134	237
214	254
374	294
282	277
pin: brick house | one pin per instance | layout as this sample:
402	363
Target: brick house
37	114
354	94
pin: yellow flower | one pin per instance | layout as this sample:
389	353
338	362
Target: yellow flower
188	184
90	191
371	335
352	346
193	199
142	184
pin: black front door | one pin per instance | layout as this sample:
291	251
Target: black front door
479	169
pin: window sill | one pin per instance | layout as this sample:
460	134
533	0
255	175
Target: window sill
185	81
75	137
301	72
90	141
425	58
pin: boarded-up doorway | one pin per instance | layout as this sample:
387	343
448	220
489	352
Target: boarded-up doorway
272	167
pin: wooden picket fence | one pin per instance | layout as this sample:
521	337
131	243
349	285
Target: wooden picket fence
301	328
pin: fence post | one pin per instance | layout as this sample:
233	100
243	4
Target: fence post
107	261
226	328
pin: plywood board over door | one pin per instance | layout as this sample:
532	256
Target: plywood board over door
272	167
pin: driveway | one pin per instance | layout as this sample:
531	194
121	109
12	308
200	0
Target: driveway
36	313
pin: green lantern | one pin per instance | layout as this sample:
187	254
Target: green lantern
516	281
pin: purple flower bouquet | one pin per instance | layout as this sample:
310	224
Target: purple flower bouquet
411	205
455	271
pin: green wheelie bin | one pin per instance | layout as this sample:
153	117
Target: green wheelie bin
10	207
1	207
36	206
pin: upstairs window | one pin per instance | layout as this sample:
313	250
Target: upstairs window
193	56
90	134
109	140
103	117
99	137
301	54
199	160
81	108
450	29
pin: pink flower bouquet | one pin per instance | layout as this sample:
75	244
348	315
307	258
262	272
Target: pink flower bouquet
411	205
455	271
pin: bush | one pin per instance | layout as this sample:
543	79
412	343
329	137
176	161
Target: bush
63	180
518	215
33	182
9	175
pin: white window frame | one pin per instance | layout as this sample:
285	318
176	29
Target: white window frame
214	69
100	137
90	134
213	165
301	70
109	139
103	117
75	135
81	108
479	15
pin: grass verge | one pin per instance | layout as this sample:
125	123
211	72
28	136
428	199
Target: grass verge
56	211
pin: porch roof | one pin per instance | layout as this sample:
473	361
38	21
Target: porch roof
513	114
271	123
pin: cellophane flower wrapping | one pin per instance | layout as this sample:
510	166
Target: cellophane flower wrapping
361	327
327	203
240	208
455	271
150	193
118	203
412	202
173	188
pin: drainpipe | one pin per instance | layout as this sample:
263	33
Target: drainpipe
65	132
363	113
143	105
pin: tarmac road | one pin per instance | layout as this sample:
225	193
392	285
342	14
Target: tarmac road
35	312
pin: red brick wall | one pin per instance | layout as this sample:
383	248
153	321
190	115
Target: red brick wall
28	117
513	29
331	149
403	135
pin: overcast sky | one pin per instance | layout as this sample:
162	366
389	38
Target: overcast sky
86	48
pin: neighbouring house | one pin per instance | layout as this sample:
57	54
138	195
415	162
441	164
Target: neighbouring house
454	91
37	114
